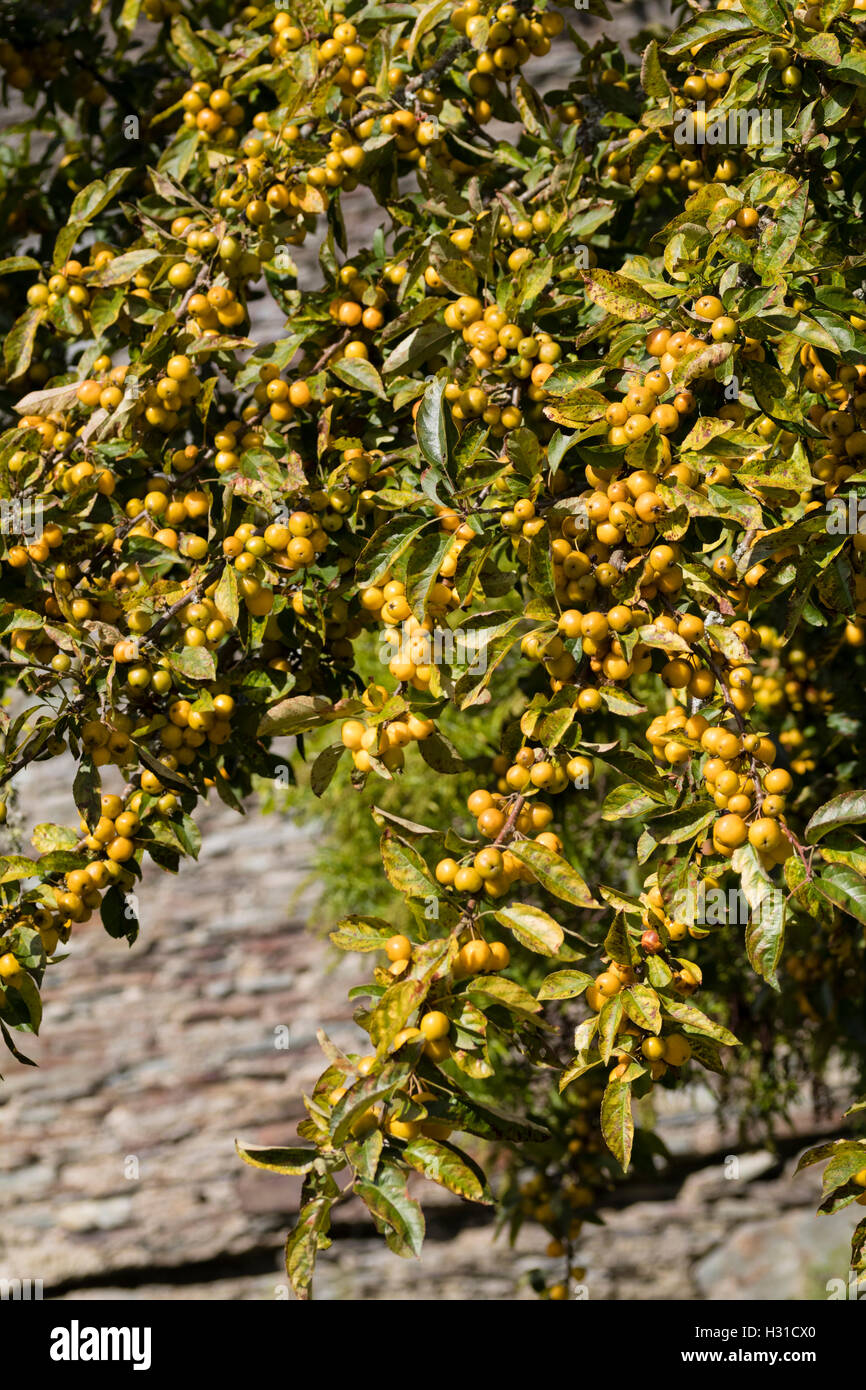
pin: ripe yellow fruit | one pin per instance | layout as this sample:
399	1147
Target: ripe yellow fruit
435	1025
9	967
475	957
403	1129
398	947
677	1050
730	831
437	1049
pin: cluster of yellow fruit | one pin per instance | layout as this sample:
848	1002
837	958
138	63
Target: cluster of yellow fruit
792	687
210	314
733	780
186	730
794	740
640	408
153	500
753	799
500	346
38	551
70	281
203	239
413	661
213	112
653	915
690	672
671	1049
415	136
494	870
510	37
475	957
842	420
109	741
385	741
290	545
112	841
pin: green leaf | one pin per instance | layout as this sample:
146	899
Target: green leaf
692	1018
14	867
616	294
554	873
564	984
386	546
845	888
363	1096
292	1161
441	755
709	24
18	345
847	809
533	928
324	767
12	264
355	371
652	74
195	54
643	1008
47	837
765	933
848	1159
766	14
118	914
85	206
395	1213
355	933
406	870
227	596
122	268
685	824
394	1010
617	1124
626	801
540	566
434	427
427	18
443	1164
609	1022
195	663
303	1243
492	648
503	991
299	713
422	569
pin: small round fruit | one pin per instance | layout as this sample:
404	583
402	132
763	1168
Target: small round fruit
435	1025
677	1050
475	957
398	947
